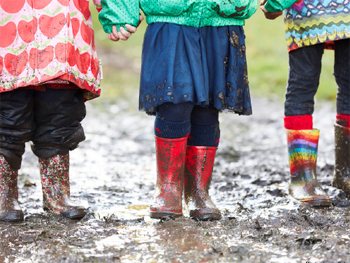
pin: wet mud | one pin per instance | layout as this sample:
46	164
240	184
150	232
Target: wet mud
114	173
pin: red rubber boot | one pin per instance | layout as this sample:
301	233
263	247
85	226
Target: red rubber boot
171	155
198	173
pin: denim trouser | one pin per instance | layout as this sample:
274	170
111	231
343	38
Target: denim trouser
304	74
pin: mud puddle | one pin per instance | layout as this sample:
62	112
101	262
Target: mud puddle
113	173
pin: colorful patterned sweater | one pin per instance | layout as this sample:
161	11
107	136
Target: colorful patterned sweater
310	22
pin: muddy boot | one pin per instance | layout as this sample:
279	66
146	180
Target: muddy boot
167	200
341	178
198	172
56	191
10	211
302	148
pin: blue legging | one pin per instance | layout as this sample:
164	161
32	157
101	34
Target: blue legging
178	120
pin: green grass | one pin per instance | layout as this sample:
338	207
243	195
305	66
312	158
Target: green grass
119	84
267	59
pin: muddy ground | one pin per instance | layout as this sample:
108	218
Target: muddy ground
113	173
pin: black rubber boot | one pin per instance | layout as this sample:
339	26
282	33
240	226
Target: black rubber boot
341	178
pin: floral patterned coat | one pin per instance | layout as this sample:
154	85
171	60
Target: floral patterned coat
48	41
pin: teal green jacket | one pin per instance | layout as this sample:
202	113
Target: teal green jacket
278	5
196	13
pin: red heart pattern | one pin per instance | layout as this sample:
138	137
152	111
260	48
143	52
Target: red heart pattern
45	40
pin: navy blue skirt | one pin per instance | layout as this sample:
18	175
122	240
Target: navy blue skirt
204	65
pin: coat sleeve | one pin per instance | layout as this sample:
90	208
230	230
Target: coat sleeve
119	13
98	5
278	5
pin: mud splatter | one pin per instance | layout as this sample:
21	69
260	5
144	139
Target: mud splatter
238	10
114	170
226	62
234	39
228	86
162	86
245	76
222	98
242	50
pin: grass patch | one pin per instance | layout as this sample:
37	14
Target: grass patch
120	84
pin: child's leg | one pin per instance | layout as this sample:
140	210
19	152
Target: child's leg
303	81
16	128
16	124
172	126
200	155
58	113
304	73
341	177
342	77
205	129
173	120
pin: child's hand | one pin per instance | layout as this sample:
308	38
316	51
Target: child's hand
268	14
123	34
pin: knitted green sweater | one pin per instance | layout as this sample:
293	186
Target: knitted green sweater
196	13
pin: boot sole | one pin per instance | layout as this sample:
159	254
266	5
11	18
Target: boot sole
205	215
73	214
160	215
317	202
340	186
12	217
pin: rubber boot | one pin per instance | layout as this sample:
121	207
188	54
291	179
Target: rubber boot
55	185
302	148
341	178
10	211
167	200
198	173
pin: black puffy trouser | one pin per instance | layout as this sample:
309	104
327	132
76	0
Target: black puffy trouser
50	119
